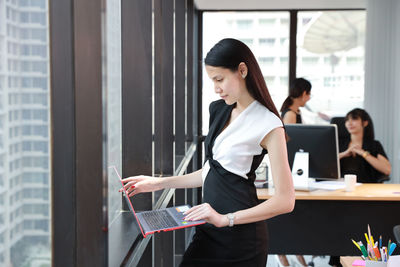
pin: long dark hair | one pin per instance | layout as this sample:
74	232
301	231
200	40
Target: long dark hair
359	113
297	88
229	53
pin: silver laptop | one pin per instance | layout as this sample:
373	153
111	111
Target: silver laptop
154	221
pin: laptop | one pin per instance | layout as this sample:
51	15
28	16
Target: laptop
154	221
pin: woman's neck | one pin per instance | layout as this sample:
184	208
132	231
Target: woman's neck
244	102
295	106
357	138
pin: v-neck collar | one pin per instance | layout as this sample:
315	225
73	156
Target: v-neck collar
226	117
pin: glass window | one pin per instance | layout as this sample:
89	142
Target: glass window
267	21
39	50
24	17
268	42
23	50
332	58
269	45
38	17
113	110
39	34
244	24
38	3
266	61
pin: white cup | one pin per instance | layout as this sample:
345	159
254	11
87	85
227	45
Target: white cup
350	180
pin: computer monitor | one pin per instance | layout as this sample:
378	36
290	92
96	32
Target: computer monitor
321	142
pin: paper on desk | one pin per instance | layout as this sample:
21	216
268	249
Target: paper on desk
329	185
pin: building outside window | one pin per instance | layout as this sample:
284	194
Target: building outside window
25	213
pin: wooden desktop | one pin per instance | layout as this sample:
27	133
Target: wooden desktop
324	222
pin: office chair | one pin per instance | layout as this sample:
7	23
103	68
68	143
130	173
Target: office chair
383	178
340	123
396	232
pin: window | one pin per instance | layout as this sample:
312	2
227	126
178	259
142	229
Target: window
39	34
268	42
38	3
248	42
112	75
23	50
267	22
266	61
309	60
244	24
332	69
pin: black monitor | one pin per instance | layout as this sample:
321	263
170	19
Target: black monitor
321	142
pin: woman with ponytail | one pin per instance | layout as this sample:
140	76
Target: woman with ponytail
299	94
244	126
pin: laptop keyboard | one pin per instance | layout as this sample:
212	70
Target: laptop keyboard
159	219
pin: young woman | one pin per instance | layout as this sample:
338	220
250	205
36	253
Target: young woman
244	124
299	94
361	154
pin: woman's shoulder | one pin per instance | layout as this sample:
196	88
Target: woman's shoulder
373	143
263	114
376	145
289	111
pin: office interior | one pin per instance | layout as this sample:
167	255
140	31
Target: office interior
86	85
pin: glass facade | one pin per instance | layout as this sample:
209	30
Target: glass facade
330	53
112	101
24	134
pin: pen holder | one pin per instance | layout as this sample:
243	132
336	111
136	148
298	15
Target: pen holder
375	263
394	261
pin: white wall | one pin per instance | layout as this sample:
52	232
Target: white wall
382	76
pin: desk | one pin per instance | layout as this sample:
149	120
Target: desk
347	261
323	222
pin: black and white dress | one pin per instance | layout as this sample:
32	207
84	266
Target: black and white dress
232	156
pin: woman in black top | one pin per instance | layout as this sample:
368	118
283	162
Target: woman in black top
360	154
299	94
244	124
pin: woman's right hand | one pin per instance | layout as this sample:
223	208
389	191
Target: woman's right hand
346	153
141	184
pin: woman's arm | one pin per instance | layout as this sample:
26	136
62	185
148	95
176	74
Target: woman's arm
290	117
282	201
140	184
379	162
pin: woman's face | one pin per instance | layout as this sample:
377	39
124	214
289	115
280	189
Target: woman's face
305	98
228	84
355	125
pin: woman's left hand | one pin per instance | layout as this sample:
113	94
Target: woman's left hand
357	150
207	213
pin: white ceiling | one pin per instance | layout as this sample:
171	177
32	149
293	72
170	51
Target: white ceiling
278	4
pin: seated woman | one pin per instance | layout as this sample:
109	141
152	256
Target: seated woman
299	95
361	154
